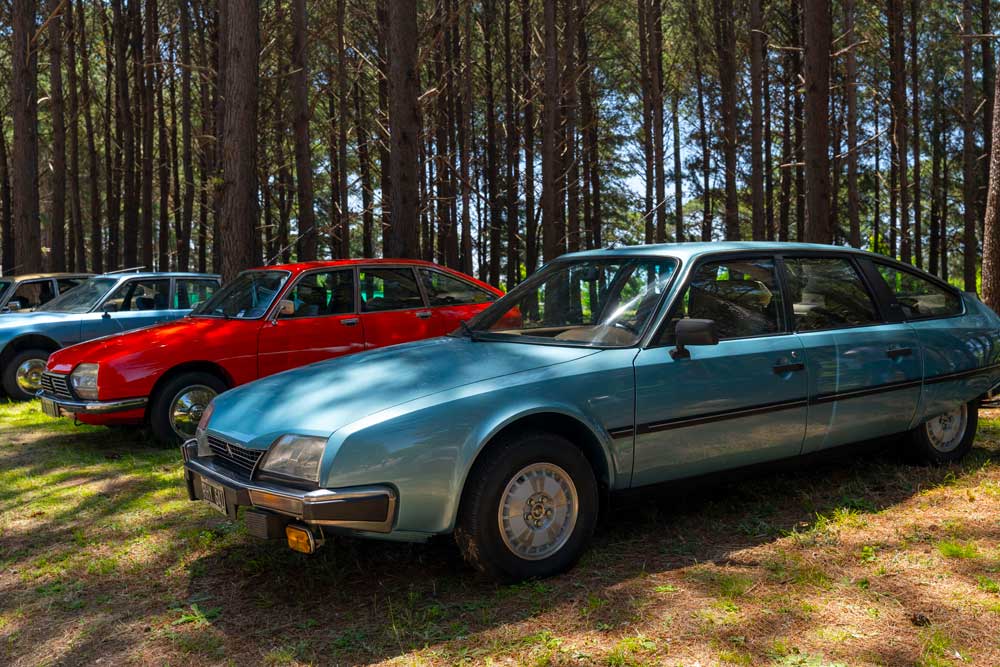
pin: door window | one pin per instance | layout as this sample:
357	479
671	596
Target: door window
389	289
828	293
326	293
140	295
33	294
191	292
918	296
741	296
444	290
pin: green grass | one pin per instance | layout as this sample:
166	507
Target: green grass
103	558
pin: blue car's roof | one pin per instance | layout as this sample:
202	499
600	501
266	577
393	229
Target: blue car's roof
694	249
157	274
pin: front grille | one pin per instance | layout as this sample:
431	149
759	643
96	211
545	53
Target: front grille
57	385
234	456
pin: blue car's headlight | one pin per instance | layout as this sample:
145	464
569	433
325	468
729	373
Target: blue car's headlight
296	456
84	381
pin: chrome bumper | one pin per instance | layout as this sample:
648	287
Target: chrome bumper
368	508
93	407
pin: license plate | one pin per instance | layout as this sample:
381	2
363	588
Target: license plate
213	494
50	408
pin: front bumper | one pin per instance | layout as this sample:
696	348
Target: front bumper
368	508
93	407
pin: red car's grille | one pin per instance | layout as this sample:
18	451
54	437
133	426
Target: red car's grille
57	385
234	456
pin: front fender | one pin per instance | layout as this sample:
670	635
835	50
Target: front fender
426	447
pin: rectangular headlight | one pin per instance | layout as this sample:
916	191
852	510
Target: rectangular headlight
296	456
84	381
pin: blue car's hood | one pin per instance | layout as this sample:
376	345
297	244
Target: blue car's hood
323	397
16	321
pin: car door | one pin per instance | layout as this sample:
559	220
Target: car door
952	341
740	402
864	371
451	299
323	324
392	306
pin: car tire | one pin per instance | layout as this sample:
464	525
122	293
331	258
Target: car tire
944	438
24	361
199	386
494	540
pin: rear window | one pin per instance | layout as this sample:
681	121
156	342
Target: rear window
919	297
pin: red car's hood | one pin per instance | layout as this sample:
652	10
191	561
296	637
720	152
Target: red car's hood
185	334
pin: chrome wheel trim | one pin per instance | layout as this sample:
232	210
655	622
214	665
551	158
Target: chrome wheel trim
187	408
29	375
946	431
538	511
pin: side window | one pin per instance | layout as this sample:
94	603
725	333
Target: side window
444	290
918	296
139	295
33	294
741	296
192	292
828	293
66	284
318	294
389	289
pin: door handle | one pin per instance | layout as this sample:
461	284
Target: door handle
349	322
897	352
781	369
424	314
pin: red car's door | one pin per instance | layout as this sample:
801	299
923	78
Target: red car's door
392	307
324	323
451	299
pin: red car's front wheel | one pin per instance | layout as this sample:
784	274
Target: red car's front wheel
177	406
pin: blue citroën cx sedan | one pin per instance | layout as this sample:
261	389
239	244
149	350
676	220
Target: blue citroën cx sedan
606	370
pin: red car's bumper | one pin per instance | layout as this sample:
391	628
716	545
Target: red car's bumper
125	411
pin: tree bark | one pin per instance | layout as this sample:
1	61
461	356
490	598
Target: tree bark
756	121
785	178
57	213
918	250
364	165
492	166
991	223
402	237
308	234
6	223
76	252
969	248
655	18
817	33
528	95
645	86
552	242
897	68
93	173
344	231
851	93
187	160
989	74
239	142
147	81
513	139
24	104
725	46
936	159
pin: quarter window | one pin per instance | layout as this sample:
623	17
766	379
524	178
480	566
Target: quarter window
828	293
191	293
741	296
444	290
389	289
140	295
918	296
325	293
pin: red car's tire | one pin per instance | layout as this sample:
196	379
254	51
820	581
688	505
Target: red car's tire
168	405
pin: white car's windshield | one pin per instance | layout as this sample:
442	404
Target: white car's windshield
247	297
601	302
81	299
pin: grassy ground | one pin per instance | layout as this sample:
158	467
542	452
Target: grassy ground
865	561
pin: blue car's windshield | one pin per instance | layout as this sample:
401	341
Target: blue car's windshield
247	297
605	302
81	299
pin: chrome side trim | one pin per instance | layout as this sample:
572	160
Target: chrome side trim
94	407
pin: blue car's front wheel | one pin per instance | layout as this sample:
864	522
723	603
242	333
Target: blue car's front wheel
530	508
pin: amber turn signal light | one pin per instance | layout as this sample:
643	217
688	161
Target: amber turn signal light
300	539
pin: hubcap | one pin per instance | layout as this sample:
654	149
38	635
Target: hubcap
946	431
538	511
29	375
187	408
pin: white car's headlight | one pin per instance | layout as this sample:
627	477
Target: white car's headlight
295	456
84	381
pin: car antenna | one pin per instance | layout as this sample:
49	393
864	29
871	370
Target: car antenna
134	269
280	252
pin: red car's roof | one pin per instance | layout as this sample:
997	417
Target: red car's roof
316	264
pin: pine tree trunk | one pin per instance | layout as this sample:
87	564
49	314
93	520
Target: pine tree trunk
6	226
238	223
817	37
163	237
725	46
528	95
187	205
364	166
785	178
552	242
308	234
645	83
76	252
464	140
936	158
851	93
24	105
900	134
402	237
57	213
659	163
93	173
678	170
768	148
344	231
570	169
148	84
918	250
969	245
797	114
513	139
989	74
756	122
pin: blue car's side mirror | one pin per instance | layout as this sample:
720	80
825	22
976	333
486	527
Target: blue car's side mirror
693	332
